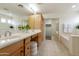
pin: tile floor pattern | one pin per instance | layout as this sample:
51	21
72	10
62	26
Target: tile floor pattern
52	48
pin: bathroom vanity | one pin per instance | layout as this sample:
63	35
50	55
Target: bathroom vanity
20	45
71	42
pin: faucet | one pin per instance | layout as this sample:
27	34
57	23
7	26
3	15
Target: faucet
8	32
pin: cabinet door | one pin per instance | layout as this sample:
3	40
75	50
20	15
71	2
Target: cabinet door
31	22
38	22
35	21
40	37
27	50
28	46
19	52
12	49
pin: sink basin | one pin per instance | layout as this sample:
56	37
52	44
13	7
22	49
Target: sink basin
11	37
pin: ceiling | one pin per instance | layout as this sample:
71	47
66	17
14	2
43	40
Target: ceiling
56	7
45	8
14	9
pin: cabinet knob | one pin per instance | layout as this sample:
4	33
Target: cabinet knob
21	53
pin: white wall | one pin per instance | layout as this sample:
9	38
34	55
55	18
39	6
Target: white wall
71	19
51	15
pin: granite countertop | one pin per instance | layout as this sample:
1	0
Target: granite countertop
16	37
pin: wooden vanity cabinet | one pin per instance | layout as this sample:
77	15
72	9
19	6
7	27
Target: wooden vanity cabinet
37	22
19	52
21	48
37	37
15	49
27	46
40	37
34	38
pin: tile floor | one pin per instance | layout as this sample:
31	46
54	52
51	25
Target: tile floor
52	48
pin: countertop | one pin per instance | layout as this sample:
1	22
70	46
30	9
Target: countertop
75	35
65	36
17	37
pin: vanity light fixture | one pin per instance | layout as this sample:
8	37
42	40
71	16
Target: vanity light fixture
73	6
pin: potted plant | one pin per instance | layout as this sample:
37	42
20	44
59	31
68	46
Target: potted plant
24	28
27	27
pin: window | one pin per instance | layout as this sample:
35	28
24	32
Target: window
9	21
3	20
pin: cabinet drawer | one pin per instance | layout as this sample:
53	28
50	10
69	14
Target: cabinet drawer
19	52
27	40
11	48
34	36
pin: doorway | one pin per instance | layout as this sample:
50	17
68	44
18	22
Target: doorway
51	27
48	28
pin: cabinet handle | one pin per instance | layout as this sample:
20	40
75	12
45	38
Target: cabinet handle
28	48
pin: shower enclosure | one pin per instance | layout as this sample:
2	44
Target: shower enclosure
48	29
51	27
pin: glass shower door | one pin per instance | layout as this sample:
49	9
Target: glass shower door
48	31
